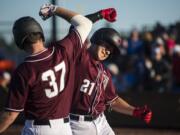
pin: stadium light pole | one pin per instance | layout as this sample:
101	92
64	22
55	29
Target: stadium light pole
54	26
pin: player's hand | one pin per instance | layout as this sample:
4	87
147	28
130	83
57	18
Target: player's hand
47	10
143	113
109	14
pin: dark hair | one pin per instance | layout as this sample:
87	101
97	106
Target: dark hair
32	38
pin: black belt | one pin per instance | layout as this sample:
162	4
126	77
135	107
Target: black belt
85	117
47	122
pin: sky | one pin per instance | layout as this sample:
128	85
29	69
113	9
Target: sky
131	13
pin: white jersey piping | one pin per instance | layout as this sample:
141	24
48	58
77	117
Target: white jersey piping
42	58
10	109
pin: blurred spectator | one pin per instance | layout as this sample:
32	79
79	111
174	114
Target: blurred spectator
176	69
161	69
128	76
121	60
5	78
161	45
144	73
7	64
170	43
158	29
153	73
134	44
178	32
147	44
113	68
124	46
1	55
2	48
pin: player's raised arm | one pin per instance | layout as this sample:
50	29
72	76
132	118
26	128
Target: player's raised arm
109	14
82	24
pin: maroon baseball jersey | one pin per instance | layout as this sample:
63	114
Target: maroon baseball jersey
42	85
94	87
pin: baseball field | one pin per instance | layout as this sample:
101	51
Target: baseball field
16	129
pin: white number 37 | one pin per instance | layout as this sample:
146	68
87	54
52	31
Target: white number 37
49	76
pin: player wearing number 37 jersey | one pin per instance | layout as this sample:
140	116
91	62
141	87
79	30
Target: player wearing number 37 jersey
42	85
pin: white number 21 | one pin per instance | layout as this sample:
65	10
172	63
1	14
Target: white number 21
87	86
49	76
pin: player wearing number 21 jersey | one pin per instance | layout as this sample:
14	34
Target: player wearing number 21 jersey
94	89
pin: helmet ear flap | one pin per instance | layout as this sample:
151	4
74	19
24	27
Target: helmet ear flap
109	36
23	27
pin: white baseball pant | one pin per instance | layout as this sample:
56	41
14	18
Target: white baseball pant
55	127
99	126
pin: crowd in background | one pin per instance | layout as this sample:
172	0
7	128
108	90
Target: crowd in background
149	60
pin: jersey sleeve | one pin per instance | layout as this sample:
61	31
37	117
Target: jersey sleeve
72	44
110	91
17	93
83	25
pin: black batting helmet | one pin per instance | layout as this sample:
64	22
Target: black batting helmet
23	27
109	36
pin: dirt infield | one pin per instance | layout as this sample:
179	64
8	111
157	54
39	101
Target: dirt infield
132	131
16	129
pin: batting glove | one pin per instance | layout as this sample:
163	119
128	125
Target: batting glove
47	10
143	113
109	14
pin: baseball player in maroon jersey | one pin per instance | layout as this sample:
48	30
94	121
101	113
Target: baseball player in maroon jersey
94	88
42	85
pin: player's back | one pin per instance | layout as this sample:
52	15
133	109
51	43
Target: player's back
48	82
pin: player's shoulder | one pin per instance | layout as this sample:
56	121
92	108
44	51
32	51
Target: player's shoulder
73	36
65	41
22	68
